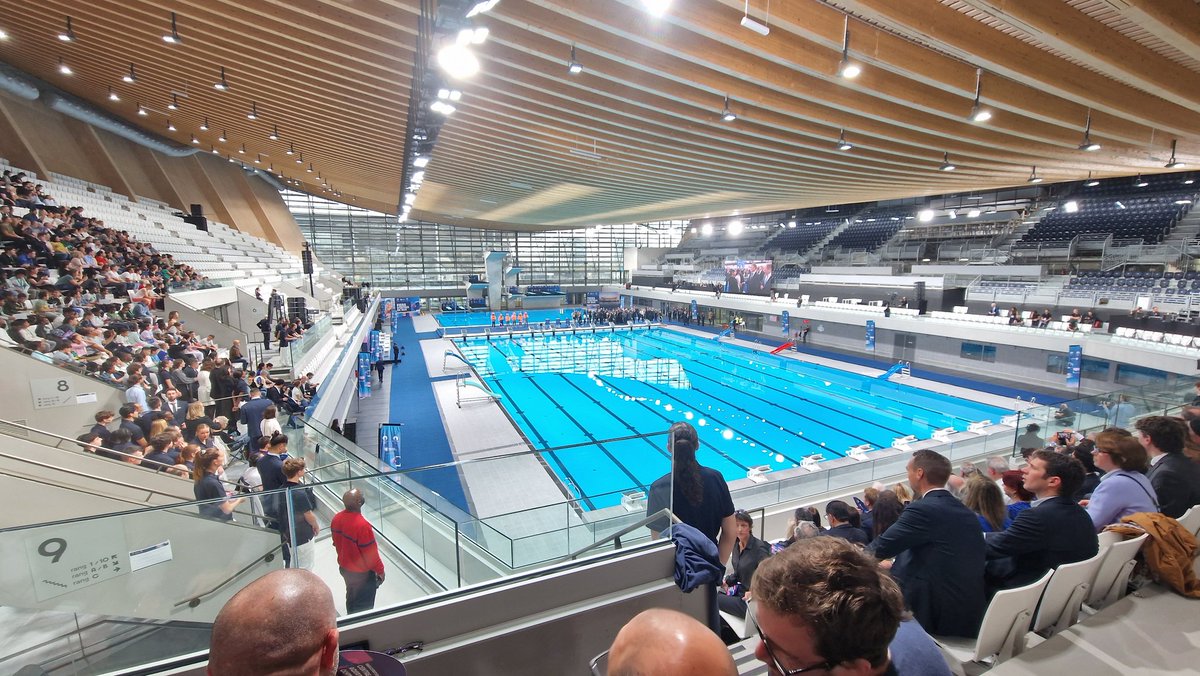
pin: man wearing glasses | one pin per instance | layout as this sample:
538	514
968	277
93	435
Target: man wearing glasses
825	607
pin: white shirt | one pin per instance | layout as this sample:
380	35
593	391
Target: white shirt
1155	458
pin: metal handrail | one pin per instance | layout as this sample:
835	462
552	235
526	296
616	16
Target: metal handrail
616	537
195	600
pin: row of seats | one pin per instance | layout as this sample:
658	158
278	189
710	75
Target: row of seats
1148	336
1148	219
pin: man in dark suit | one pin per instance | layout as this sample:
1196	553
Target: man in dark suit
938	545
1176	479
1053	531
251	415
172	406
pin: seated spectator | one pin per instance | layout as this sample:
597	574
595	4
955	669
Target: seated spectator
983	497
1014	489
1091	473
284	622
1124	489
886	512
801	515
668	643
903	493
865	507
939	552
827	608
1030	440
748	552
1176	479
844	522
1053	531
1064	416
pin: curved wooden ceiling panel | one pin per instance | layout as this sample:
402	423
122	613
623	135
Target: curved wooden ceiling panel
638	135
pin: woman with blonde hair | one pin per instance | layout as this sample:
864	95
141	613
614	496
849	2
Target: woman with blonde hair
903	493
983	497
157	427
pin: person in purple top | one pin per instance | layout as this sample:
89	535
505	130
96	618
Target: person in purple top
1124	488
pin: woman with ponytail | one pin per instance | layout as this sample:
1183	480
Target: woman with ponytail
700	497
208	487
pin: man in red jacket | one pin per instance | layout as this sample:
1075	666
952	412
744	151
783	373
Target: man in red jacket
357	553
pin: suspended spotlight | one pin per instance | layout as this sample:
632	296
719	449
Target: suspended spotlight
204	125
953	214
63	67
222	138
291	149
141	110
442	107
310	168
482	7
946	165
1174	163
1140	182
979	113
421	161
69	34
1091	182
170	125
3	35
573	65
253	114
747	22
1088	144
172	38
1071	207
222	84
842	143
300	157
130	77
656	7
925	215
1033	177
735	228
1120	205
417	178
112	96
409	198
847	68
195	141
706	229
973	213
727	114
274	135
242	150
174	104
456	59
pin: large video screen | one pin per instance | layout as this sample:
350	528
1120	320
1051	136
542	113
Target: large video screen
752	277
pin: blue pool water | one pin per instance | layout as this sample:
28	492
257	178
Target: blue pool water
484	318
750	408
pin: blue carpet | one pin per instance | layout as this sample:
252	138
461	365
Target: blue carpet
413	403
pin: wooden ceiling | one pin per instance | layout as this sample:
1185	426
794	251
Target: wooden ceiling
639	135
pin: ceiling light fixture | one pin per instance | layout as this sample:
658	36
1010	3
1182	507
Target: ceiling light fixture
847	68
1120	205
141	110
195	141
274	135
979	113
842	143
1174	163
972	213
222	84
1140	182
457	59
1088	144
300	157
222	137
63	67
1071	207
258	159
253	114
112	96
291	149
242	150
482	7
69	34
172	38
1091	182
174	104
1033	177
727	114
204	125
421	161
760	28
130	77
657	7
3	35
946	165
310	168
925	215
573	65
442	107
170	125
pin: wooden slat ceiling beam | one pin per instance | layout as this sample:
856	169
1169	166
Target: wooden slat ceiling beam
336	75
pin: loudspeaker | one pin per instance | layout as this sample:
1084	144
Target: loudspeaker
197	210
919	291
200	222
306	261
297	308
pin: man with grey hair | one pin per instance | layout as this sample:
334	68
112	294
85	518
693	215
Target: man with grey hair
997	465
282	623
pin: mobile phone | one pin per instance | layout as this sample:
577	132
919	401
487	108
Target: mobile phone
862	506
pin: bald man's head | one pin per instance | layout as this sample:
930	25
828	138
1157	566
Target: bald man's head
663	642
283	623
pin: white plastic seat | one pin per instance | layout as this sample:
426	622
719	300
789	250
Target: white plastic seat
1005	625
1191	519
1113	576
1064	596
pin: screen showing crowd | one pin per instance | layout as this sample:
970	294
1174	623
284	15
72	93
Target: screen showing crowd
753	277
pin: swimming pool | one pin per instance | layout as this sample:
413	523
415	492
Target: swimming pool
749	407
484	318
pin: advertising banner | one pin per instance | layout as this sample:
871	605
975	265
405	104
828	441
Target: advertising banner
364	375
1074	364
376	349
389	444
785	321
870	334
695	311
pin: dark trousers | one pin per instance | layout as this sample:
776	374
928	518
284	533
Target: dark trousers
360	590
266	340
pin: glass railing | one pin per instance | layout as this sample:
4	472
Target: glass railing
1113	409
298	349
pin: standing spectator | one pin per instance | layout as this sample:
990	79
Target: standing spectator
250	414
100	429
885	512
357	553
1053	531
128	414
698	496
300	521
1119	412
748	552
1176	479
270	422
1124	489
939	552
844	522
264	325
135	393
208	486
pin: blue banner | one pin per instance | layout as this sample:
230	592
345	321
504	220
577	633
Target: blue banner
389	444
364	375
376	348
695	311
1074	364
389	306
785	321
870	334
410	304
